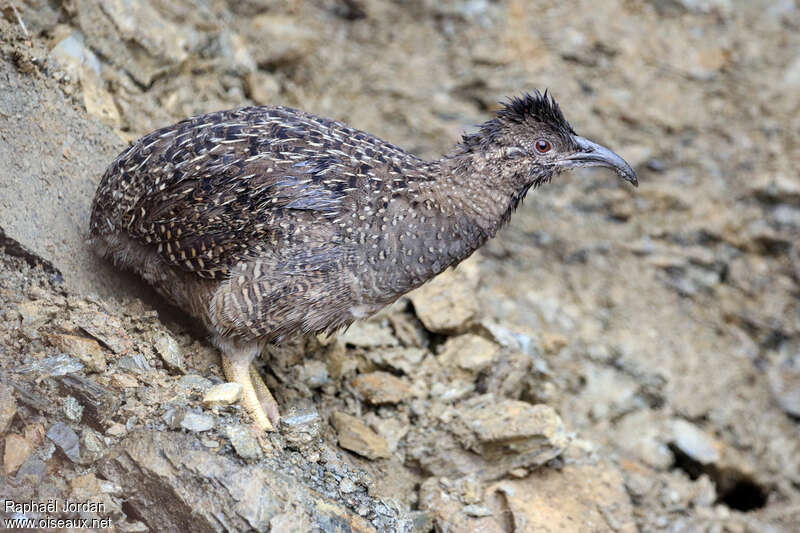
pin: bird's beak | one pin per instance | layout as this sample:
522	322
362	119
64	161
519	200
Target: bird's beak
594	155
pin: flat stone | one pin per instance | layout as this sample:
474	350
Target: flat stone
404	360
31	472
381	388
106	329
99	403
694	442
222	394
301	427
355	436
92	446
469	352
577	497
243	442
209	443
88	351
392	429
368	335
117	430
57	365
233	48
639	434
33	313
136	363
124	381
8	407
347	486
66	440
498	429
295	521
477	510
17	451
314	373
32	209
447	304
167	347
193	381
191	421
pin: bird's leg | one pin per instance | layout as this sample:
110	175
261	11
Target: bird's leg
237	361
268	403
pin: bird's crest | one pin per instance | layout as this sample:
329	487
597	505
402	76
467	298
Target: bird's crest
538	107
529	108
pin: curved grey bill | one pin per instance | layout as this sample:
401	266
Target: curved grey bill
594	155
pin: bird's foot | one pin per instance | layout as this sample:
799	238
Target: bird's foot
268	403
256	400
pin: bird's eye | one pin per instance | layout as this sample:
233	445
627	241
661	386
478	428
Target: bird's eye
543	146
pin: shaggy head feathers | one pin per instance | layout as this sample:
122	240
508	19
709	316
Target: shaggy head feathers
536	107
526	113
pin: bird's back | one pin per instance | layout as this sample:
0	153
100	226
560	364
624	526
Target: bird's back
266	208
211	190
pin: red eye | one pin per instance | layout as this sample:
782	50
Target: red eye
543	146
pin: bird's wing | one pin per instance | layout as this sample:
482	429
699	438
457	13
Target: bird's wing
219	187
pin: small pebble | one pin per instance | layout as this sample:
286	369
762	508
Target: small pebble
193	381
382	387
66	440
167	347
57	365
73	410
355	436
31	472
243	442
116	430
123	381
136	363
347	486
192	421
222	394
477	511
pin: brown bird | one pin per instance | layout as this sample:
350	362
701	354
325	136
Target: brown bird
268	222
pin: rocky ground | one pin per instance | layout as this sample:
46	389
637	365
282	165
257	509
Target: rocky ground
616	360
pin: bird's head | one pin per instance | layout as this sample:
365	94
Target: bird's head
532	141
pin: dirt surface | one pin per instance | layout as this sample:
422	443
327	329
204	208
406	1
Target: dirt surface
615	360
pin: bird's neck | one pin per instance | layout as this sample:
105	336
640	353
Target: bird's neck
469	187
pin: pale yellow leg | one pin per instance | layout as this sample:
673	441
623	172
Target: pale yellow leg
268	403
237	370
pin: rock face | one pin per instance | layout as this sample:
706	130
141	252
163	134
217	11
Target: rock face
171	471
31	169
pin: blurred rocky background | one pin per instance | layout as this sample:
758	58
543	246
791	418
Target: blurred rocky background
616	360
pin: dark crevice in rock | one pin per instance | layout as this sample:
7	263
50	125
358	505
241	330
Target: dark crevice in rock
735	490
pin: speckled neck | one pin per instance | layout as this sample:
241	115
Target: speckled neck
469	186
